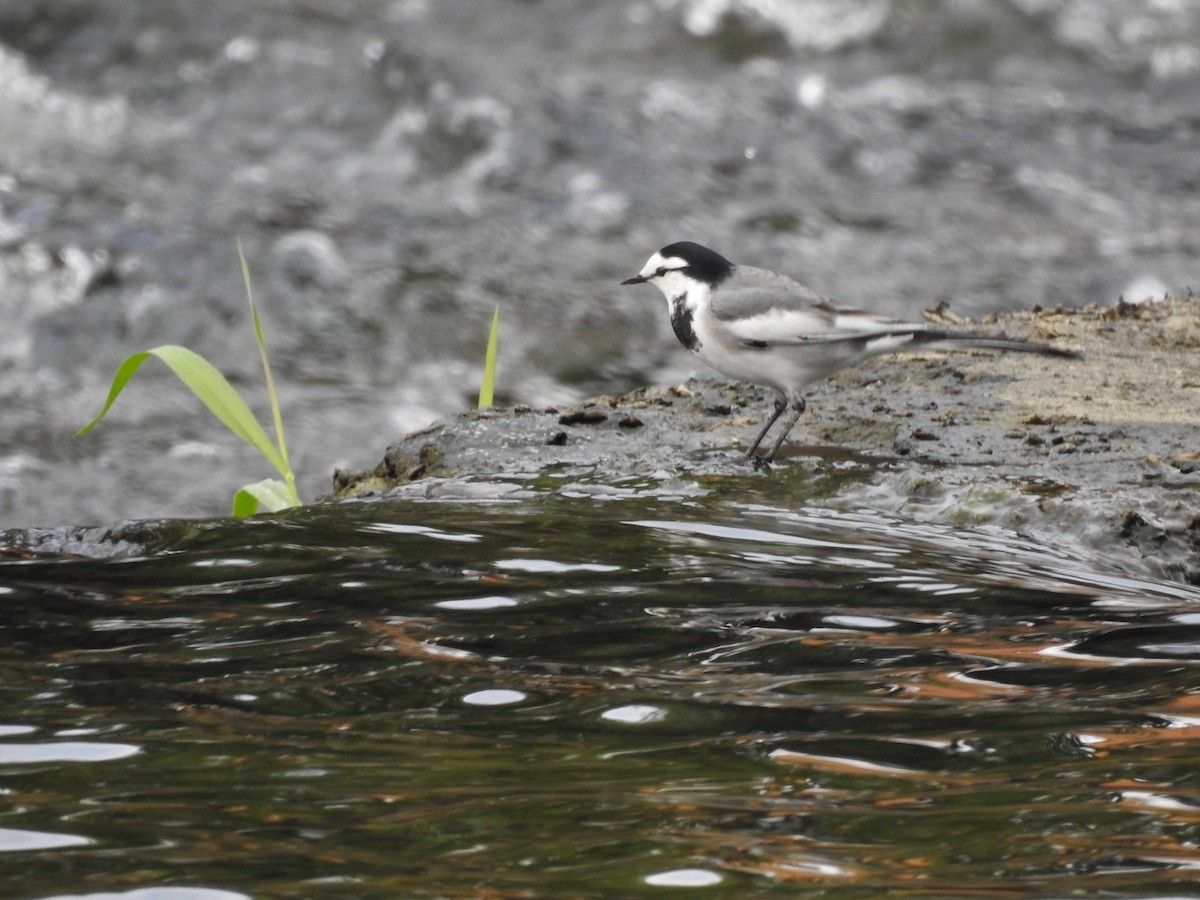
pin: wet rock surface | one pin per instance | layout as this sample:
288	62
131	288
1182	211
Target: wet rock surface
1102	451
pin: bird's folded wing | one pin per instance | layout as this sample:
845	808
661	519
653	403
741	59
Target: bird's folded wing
809	324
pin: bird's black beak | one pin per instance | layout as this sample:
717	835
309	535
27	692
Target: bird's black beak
636	279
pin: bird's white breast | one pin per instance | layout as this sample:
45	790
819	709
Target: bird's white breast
790	364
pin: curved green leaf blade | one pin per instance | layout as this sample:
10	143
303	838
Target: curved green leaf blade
210	386
124	373
271	493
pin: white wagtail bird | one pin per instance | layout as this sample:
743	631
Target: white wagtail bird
758	326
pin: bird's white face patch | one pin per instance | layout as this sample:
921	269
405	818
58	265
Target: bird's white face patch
659	266
669	274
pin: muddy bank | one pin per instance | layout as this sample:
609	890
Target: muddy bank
1101	452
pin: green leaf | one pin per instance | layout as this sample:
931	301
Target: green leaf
271	493
207	384
272	396
244	504
227	405
124	373
262	351
487	388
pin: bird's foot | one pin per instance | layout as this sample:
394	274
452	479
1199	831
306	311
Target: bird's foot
759	462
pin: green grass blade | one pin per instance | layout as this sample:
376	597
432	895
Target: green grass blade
262	352
272	396
124	373
270	493
209	386
488	387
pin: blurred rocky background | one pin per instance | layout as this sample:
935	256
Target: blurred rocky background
396	169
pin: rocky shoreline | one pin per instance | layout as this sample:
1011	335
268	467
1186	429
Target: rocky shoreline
1096	459
1102	453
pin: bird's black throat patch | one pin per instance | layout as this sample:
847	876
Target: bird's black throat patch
681	323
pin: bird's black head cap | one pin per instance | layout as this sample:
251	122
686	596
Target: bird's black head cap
706	265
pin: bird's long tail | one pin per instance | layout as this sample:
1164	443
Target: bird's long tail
950	340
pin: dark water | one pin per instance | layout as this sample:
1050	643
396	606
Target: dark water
571	697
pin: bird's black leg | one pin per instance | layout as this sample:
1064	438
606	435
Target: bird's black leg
780	406
798	407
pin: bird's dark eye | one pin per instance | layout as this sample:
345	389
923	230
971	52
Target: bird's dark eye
660	271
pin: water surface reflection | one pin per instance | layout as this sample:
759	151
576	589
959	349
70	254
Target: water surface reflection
564	697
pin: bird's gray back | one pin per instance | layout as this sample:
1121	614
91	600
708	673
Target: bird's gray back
752	292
